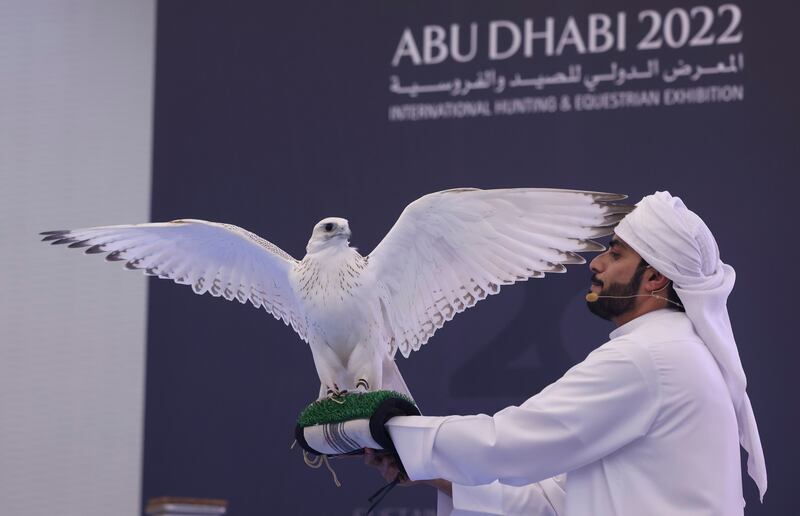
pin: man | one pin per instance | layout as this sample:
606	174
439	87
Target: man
649	424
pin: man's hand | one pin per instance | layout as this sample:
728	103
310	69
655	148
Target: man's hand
385	464
389	469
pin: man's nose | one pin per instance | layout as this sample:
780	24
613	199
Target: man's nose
595	264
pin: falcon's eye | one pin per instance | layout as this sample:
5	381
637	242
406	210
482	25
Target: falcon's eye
329	226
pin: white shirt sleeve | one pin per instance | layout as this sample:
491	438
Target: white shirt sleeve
598	406
545	498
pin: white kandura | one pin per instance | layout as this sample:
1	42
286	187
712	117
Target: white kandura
447	251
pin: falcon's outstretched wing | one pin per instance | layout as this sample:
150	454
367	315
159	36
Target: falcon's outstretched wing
450	249
221	259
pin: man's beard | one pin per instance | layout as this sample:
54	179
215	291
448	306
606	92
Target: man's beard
609	308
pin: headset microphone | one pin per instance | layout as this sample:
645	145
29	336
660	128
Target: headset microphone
591	297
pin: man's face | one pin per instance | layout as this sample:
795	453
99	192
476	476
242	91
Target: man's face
616	272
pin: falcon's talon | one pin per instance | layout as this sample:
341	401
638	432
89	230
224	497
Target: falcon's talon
335	394
362	383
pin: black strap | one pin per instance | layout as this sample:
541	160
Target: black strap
388	409
381	493
300	437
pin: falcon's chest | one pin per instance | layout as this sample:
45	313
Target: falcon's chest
331	279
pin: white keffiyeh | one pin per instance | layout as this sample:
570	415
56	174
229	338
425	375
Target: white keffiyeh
678	244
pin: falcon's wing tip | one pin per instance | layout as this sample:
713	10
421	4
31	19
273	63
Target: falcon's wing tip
572	258
589	245
603	198
114	256
613	207
606	197
60	236
96	249
79	243
459	190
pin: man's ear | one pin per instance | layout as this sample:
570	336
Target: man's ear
655	281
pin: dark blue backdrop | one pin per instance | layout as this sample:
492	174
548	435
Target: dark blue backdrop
272	116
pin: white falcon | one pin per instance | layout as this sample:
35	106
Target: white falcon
447	251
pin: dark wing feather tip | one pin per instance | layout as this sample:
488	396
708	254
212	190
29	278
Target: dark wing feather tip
68	240
56	232
573	258
606	197
590	245
611	207
114	256
54	236
95	249
612	218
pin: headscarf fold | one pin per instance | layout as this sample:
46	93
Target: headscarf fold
679	245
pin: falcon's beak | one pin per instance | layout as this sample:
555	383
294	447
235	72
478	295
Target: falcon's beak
341	233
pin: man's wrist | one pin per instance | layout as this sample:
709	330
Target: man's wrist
442	485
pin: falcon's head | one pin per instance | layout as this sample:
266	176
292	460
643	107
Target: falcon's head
328	232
